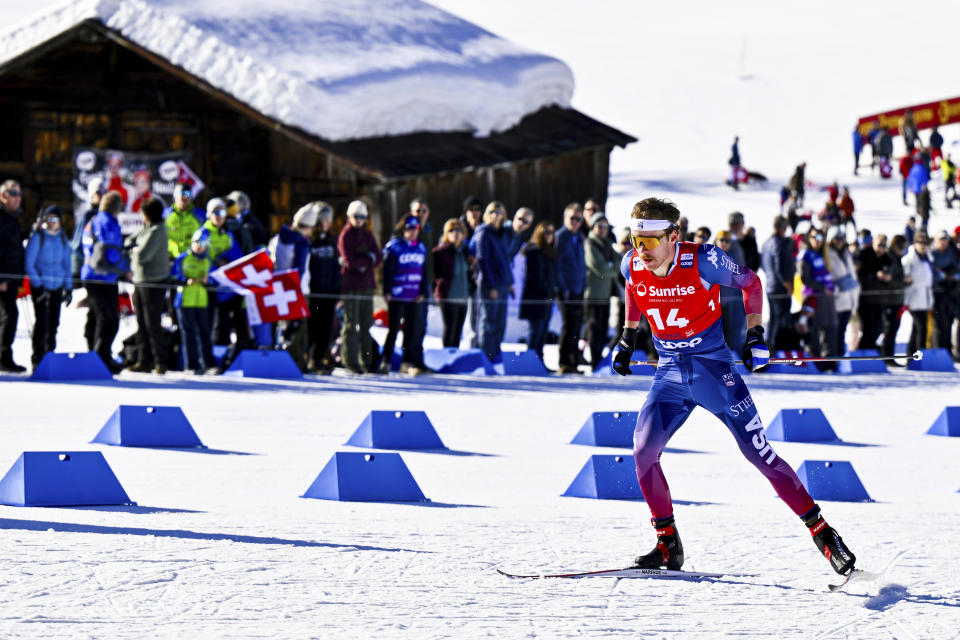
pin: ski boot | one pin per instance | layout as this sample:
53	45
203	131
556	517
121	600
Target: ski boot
669	550
829	542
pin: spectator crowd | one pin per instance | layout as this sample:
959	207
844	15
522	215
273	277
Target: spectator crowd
831	286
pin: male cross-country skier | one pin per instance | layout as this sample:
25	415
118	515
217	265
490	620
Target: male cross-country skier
676	285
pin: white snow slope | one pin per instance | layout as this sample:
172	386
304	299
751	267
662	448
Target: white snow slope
340	70
222	546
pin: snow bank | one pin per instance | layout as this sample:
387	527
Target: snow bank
338	70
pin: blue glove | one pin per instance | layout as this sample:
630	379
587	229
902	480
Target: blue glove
755	353
623	351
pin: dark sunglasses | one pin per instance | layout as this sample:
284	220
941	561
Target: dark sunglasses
14	194
422	210
576	218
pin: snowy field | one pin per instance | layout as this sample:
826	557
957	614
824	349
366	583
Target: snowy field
220	544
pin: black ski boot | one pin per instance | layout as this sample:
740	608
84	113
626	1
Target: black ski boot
669	550
829	542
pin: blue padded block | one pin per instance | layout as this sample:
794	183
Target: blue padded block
862	366
801	425
409	430
71	366
462	361
605	368
136	426
932	360
947	423
61	479
608	429
832	480
268	363
523	363
606	478
365	477
219	351
806	367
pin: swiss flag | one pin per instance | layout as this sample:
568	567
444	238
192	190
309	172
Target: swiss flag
270	296
282	300
252	272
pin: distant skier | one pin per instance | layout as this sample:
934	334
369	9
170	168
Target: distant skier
857	148
676	286
734	163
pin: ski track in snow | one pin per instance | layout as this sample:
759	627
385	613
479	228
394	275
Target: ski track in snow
246	557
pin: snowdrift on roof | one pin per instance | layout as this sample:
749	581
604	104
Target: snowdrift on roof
339	70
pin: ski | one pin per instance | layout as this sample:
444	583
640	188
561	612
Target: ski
857	575
630	572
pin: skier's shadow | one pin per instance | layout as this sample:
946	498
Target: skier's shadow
891	594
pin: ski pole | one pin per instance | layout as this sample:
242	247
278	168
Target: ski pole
917	355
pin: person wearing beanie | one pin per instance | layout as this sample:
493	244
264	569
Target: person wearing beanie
324	267
150	265
918	296
359	256
249	221
192	269
182	220
235	226
290	248
404	289
48	267
603	265
96	189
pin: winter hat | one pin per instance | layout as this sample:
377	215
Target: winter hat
471	201
596	218
52	211
324	210
944	234
357	208
96	187
723	234
412	222
242	200
201	237
216	205
306	216
183	189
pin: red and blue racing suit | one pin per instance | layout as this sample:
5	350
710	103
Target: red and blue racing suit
696	368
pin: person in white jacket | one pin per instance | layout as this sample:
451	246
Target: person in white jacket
844	274
918	296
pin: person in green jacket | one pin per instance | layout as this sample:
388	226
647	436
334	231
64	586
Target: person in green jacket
192	269
181	221
150	264
603	265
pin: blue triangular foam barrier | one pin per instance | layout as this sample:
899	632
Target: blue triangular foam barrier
523	363
264	363
365	477
801	425
409	430
608	429
606	478
71	366
61	479
947	423
461	361
832	480
137	426
932	360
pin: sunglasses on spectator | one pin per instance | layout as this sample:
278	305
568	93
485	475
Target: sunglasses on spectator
650	242
13	194
422	210
455	230
360	216
576	218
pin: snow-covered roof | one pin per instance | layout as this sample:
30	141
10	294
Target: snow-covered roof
339	70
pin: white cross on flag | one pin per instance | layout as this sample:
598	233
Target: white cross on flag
282	300
270	296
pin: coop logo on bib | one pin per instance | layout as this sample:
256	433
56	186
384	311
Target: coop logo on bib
686	260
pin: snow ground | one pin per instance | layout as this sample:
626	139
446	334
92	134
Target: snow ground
221	544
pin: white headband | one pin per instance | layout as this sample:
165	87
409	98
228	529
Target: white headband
636	224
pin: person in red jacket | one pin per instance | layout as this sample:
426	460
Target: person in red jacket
359	256
906	163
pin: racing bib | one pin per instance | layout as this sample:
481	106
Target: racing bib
677	306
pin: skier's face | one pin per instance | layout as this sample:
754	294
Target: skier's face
654	249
